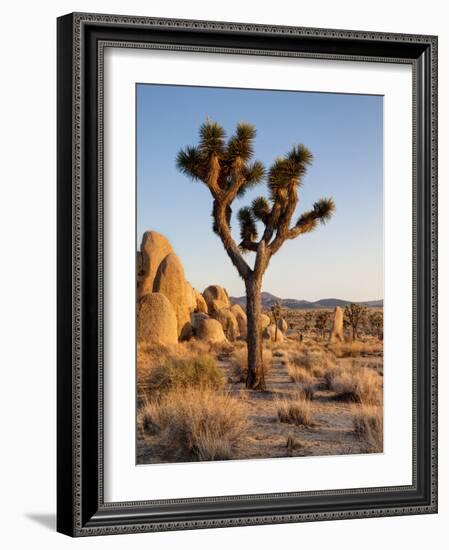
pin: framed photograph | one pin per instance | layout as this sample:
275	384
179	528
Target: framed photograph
247	278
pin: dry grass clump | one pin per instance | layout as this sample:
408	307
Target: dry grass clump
332	374
222	349
359	385
151	418
356	348
368	425
280	347
239	361
200	372
191	347
295	410
299	375
317	362
150	356
304	380
307	389
199	424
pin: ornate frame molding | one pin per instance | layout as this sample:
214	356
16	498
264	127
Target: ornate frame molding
82	511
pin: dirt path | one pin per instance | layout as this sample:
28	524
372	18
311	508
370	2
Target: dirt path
332	432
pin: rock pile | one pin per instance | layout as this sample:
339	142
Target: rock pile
169	309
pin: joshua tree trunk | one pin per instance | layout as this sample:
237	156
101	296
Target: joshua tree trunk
256	377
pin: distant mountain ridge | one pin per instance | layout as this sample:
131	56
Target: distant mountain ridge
270	299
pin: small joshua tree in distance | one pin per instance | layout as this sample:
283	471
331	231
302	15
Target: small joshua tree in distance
225	167
321	320
307	320
354	316
276	311
376	320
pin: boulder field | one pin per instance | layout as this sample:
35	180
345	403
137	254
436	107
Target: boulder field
170	309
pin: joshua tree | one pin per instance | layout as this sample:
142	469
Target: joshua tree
307	321
376	320
354	316
225	167
276	311
321	321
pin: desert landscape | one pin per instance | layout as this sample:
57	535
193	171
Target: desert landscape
245	374
322	370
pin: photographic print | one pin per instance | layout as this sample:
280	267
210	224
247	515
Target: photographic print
259	274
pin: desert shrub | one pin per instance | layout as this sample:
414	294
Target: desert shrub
222	349
332	374
295	410
303	379
368	425
196	423
197	372
307	389
150	356
359	385
239	361
151	418
356	348
191	348
299	375
317	362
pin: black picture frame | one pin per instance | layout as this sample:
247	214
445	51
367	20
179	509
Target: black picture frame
81	509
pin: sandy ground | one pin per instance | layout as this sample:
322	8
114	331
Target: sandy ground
331	434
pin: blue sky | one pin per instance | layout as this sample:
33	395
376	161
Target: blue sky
343	259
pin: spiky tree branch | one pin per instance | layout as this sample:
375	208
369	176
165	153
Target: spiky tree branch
284	179
225	169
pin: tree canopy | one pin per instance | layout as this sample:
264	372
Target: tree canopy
227	168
